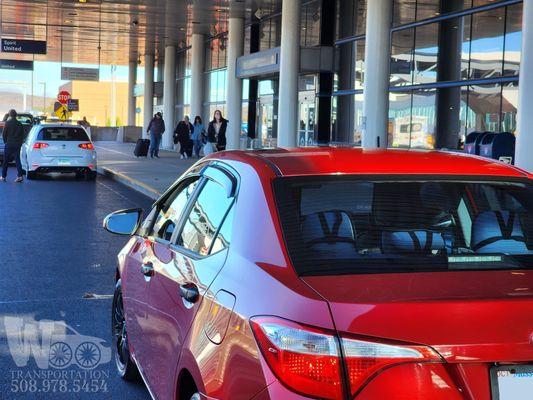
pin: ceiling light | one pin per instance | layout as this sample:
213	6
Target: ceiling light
82	1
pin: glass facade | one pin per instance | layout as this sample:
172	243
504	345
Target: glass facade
454	69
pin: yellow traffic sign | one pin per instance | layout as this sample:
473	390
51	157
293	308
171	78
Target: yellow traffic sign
62	111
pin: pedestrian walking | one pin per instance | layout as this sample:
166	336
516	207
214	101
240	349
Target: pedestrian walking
182	136
156	128
216	132
13	136
198	136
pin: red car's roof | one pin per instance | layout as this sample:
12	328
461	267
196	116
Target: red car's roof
338	160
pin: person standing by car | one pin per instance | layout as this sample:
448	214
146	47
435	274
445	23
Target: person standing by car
216	131
182	136
156	129
198	135
13	136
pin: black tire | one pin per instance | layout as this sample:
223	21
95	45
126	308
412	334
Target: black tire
126	367
31	175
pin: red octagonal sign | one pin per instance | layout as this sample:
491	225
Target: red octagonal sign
63	97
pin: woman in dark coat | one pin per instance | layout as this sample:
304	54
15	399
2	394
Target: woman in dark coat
182	135
216	132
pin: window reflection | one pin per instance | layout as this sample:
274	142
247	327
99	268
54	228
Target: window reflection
205	218
486	51
347	119
425	54
402	58
513	41
484	102
400	119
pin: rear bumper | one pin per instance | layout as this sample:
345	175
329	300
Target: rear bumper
63	169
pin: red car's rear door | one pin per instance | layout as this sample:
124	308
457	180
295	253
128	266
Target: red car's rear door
183	273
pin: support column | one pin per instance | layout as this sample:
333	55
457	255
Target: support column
234	84
449	69
376	87
169	96
148	92
524	140
159	71
180	87
132	78
288	73
197	73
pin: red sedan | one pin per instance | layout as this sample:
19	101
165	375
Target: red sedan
332	274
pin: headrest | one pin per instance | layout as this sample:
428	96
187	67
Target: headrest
324	225
494	226
420	242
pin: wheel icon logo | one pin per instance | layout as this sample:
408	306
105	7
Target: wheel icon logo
88	355
60	355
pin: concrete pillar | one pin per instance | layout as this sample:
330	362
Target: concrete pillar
132	79
169	96
197	73
148	92
376	86
180	87
288	74
159	71
234	84
524	140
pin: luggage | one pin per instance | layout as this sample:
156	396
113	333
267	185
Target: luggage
209	148
141	148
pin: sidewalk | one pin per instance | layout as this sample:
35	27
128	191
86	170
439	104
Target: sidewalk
146	175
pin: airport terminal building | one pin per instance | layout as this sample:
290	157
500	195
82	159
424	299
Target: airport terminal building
376	73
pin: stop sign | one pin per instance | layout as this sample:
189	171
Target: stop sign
63	97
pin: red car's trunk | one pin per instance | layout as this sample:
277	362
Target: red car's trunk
472	319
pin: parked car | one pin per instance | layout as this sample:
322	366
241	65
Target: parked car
58	148
27	122
330	273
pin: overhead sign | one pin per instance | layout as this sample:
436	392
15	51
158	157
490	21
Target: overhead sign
63	97
80	74
22	46
261	63
61	111
73	105
16	65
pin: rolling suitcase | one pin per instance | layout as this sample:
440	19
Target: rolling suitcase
141	148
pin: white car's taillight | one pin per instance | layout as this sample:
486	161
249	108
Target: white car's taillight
307	360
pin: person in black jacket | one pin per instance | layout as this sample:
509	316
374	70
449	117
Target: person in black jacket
13	136
182	135
216	132
156	129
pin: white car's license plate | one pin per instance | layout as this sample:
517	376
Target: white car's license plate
512	382
63	161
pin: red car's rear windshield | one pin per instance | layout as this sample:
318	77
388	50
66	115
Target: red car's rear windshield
340	225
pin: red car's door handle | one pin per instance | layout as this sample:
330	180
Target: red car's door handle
147	269
190	293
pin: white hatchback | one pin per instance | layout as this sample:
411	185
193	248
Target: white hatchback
58	148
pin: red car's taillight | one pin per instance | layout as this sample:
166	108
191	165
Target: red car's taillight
304	359
307	360
86	146
364	358
40	145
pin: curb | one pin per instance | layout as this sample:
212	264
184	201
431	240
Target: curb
129	182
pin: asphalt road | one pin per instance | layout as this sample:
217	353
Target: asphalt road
53	252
